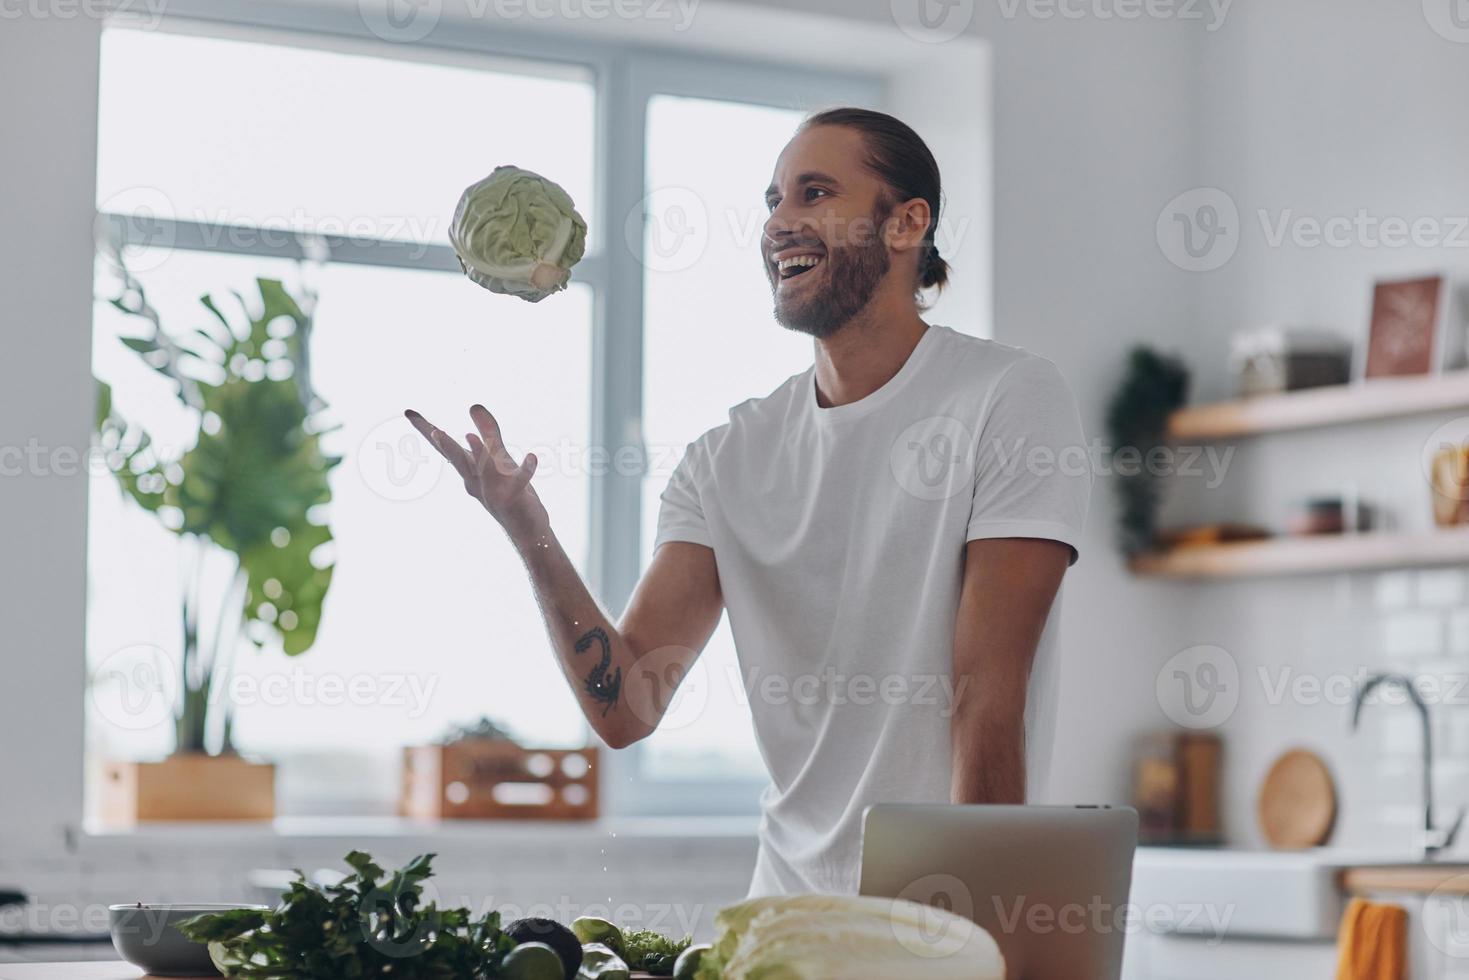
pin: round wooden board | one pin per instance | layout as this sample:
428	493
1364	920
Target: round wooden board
1297	804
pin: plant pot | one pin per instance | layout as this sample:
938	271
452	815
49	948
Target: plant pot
188	786
490	779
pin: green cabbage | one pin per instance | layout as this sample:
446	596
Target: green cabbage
516	232
831	937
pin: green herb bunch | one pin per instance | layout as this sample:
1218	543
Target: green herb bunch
652	952
367	927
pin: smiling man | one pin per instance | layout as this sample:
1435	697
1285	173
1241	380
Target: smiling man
887	530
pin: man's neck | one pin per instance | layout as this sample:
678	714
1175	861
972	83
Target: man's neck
865	354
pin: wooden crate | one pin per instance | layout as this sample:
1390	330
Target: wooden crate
191	786
484	779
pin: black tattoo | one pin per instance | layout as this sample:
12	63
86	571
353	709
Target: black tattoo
601	686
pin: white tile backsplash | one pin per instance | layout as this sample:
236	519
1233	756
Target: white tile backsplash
1440	587
1412	634
1393	590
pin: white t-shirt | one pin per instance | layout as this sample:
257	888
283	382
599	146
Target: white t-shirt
839	535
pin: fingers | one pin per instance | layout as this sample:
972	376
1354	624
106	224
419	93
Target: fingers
505	466
489	431
440	440
523	475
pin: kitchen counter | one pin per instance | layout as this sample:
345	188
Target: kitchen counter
105	970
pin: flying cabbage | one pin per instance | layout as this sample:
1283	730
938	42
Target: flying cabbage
518	233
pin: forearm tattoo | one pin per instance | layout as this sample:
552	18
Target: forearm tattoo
603	687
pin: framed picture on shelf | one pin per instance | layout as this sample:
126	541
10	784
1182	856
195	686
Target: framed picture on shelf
1413	330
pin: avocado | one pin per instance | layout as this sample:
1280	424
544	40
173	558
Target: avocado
553	934
688	962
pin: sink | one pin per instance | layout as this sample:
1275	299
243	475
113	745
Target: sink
1250	894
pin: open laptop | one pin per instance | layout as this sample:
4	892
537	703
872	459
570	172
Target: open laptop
1049	883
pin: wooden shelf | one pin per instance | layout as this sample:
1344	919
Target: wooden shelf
1307	555
1376	398
1445	879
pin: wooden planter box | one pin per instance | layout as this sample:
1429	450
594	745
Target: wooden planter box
188	787
483	779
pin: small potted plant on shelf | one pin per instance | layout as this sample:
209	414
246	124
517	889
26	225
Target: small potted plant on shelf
249	490
1154	386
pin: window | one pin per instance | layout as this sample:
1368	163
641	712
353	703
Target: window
718	185
289	143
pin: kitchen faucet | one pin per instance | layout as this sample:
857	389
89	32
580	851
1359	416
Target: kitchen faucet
1434	839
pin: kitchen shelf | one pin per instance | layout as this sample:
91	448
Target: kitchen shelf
1374	398
1443	879
1308	554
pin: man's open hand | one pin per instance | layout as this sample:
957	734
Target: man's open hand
490	475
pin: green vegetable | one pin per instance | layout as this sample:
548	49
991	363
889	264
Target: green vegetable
368	927
532	961
516	232
687	963
652	952
806	937
550	933
598	962
593	929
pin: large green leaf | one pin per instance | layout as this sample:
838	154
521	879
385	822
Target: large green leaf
255	480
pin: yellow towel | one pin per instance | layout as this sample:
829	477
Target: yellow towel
1373	942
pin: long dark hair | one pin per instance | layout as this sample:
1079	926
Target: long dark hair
898	157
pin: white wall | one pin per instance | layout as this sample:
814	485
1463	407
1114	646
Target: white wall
1326	109
48	115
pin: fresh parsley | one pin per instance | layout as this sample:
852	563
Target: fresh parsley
367	927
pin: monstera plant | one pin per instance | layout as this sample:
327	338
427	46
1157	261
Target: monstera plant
252	485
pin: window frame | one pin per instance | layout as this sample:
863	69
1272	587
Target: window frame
625	77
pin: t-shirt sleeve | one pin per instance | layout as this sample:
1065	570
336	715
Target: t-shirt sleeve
681	513
1033	475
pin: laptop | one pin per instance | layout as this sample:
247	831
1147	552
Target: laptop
1049	883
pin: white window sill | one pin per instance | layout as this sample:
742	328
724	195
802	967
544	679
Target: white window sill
319	829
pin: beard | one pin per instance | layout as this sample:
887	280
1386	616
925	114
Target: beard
853	273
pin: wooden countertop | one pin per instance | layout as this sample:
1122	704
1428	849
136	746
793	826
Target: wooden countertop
1443	879
95	970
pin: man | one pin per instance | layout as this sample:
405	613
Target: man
887	530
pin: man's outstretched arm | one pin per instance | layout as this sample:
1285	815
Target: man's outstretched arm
1009	585
623	676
